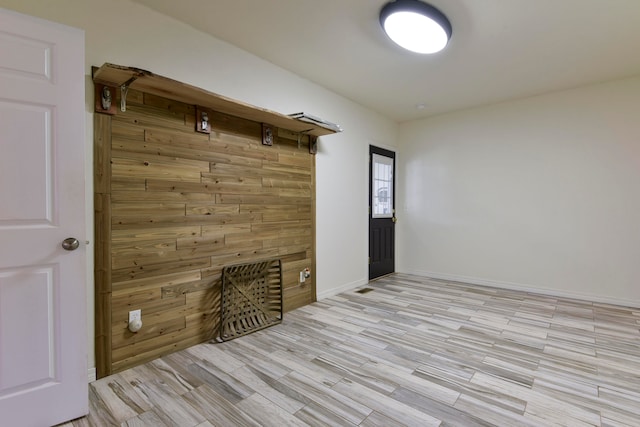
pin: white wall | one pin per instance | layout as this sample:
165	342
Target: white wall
541	193
125	33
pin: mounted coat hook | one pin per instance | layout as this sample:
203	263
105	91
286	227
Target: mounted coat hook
267	134
204	120
203	123
105	99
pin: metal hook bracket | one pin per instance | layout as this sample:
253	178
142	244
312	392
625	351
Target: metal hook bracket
124	89
313	141
313	144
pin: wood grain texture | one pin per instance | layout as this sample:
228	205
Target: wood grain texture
175	206
163	87
102	238
413	352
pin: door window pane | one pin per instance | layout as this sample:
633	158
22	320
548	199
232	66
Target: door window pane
382	186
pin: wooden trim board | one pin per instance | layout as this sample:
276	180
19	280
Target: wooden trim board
146	81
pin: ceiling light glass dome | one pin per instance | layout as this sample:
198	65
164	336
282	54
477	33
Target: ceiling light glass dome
415	25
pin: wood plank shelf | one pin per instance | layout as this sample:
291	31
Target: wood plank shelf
146	81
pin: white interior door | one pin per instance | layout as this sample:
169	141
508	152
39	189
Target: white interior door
43	336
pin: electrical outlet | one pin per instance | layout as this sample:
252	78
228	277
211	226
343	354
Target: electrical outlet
135	315
302	278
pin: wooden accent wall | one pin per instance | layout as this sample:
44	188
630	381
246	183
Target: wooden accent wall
174	206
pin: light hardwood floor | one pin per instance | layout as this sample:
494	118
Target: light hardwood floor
413	352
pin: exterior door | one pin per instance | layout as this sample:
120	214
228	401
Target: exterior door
382	212
43	333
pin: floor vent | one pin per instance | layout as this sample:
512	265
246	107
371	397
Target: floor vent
364	290
251	298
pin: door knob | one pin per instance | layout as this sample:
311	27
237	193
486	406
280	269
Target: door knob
70	244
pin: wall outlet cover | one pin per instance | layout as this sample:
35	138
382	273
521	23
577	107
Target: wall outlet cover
135	315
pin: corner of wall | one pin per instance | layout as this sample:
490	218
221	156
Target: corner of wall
526	288
340	289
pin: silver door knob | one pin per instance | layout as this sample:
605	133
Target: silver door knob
70	244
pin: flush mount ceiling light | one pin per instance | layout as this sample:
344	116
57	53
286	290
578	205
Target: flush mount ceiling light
415	26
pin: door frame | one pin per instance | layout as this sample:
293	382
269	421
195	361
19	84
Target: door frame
377	269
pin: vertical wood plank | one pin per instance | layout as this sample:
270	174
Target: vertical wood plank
102	240
313	290
102	154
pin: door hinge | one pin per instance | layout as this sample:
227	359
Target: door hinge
369	260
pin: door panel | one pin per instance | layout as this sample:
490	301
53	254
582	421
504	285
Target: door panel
30	122
30	362
43	336
382	212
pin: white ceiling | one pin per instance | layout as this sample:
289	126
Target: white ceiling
500	49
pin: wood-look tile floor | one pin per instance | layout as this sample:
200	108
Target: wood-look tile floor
413	352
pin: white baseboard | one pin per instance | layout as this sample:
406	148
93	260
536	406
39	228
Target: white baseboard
527	288
343	288
92	374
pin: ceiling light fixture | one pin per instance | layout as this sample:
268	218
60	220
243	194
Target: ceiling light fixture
415	25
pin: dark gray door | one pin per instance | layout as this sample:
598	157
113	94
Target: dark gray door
382	216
